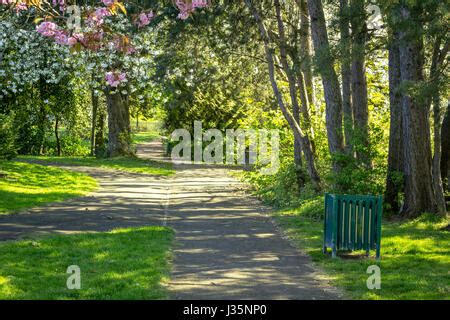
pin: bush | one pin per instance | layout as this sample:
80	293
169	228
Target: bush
8	135
74	146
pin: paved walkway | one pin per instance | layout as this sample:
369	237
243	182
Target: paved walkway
227	247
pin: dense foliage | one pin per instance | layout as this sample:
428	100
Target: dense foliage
353	117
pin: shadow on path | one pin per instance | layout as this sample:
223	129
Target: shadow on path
227	245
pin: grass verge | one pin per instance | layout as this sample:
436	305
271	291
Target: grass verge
24	185
122	264
134	165
415	256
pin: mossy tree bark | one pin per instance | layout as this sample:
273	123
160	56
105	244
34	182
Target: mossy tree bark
119	129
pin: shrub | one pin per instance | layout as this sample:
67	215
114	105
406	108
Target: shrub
74	146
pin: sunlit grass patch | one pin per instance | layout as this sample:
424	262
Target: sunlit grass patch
415	258
27	185
127	164
129	263
141	137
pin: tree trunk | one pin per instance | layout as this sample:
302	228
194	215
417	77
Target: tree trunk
94	98
394	179
332	91
445	143
305	119
41	128
419	194
42	122
58	142
293	93
303	72
437	117
359	82
298	150
306	52
119	130
99	135
298	133
346	75
437	177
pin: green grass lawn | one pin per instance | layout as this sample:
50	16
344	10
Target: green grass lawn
122	264
134	165
140	137
28	185
415	256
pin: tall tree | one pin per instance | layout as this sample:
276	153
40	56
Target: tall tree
332	91
304	74
119	135
419	193
395	156
437	59
445	147
94	101
306	52
346	74
359	81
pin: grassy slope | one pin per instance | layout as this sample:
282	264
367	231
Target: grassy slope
122	264
28	185
415	260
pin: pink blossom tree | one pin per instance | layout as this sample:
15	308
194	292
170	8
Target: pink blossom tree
107	31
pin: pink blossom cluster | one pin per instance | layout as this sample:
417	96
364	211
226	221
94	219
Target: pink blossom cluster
50	30
187	7
47	28
21	6
92	40
114	79
97	17
145	18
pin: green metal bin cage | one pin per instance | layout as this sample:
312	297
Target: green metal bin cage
352	223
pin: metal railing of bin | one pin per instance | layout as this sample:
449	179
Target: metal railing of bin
352	223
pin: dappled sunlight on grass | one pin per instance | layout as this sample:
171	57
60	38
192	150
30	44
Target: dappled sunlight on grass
127	164
415	260
28	185
125	264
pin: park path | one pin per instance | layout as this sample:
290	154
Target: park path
227	246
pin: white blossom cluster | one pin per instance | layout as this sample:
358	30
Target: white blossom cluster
26	57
